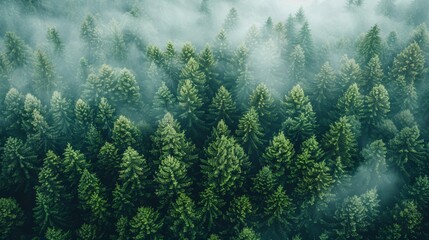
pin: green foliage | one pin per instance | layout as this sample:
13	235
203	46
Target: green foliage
222	107
11	217
127	89
239	213
91	198
184	218
377	105
297	67
16	50
210	208
277	212
54	38
263	102
57	234
278	155
146	224
370	46
124	133
248	234
372	75
351	103
163	102
172	179
249	132
61	113
231	20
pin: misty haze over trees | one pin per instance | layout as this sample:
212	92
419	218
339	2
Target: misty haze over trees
204	119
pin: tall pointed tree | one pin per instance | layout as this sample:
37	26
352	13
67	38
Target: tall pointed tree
370	45
222	107
249	132
278	155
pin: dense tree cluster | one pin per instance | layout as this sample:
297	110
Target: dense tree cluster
277	137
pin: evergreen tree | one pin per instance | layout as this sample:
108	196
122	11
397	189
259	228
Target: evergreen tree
231	20
74	164
61	116
264	184
340	141
108	164
374	155
82	117
90	34
57	234
31	104
52	199
207	64
250	133
40	138
224	165
304	39
222	107
188	52
54	38
92	199
192	73
184	218
164	101
351	103
13	109
124	133
119	46
407	150
127	89
190	107
325	88
171	65
87	231
171	179
244	80
372	74
277	213
297	66
104	116
263	102
350	73
370	45
44	76
300	120
316	181
11	218
18	166
146	224
239	213
377	105
278	155
210	208
409	219
247	234
16	50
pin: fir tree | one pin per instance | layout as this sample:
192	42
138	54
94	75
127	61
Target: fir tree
370	45
146	224
18	166
61	116
263	102
351	103
239	213
350	73
44	76
171	178
207	64
377	105
184	218
192	72
104	116
210	208
127	89
16	50
13	109
92	199
231	20
57	234
297	66
222	107
74	164
247	234
277	211
278	155
264	184
304	39
124	133
83	117
188	52
11	218
163	102
324	87
372	74
119	46
54	38
250	133
90	34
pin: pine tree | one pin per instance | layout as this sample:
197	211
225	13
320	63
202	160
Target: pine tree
315	183
351	103
171	178
104	116
52	199
171	65
244	79
11	218
407	151
300	120
418	191
87	231
370	46
131	189
304	39
190	107
16	50
377	105
61	115
224	165
57	234
291	34
297	66
372	74
90	34
325	89
350	73
210	208
264	184
13	109
247	234
239	213
263	102
40	138
107	81
74	164
146	224
18	166
188	52
184	218
253	37
31	104
277	213
93	90
340	141
231	20
83	118
108	164
119	46
92	199
44	76
4	75
222	107
54	38
409	219
278	155
169	139
124	134
164	101
191	71
374	155
127	90
207	64
250	133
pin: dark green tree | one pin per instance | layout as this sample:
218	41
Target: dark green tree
57	234
13	109
305	40
62	117
350	73
44	79
127	90
11	218
277	213
16	50
239	213
351	103
171	179
278	155
263	102
370	45
300	119
92	200
18	166
247	234
191	71
146	224
54	38
297	66
222	107
207	64
250	133
210	206
325	89
108	164
124	134
74	164
104	116
188	52
372	74
377	105
90	34
164	101
184	218
82	117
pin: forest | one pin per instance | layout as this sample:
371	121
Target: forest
204	119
